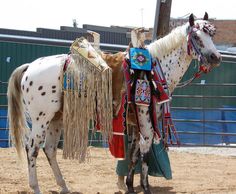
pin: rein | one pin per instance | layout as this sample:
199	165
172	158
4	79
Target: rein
195	75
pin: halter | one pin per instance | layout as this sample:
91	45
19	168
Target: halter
193	45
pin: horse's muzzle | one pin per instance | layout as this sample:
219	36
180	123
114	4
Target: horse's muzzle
214	59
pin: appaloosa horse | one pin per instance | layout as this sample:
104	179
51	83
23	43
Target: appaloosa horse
175	53
36	89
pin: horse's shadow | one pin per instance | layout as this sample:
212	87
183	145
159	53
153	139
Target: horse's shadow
56	192
51	192
162	190
138	189
154	189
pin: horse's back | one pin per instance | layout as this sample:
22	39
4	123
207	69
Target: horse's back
41	85
50	65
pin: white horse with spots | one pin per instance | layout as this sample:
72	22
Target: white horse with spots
36	89
175	53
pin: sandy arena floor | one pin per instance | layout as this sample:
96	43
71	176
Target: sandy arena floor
192	173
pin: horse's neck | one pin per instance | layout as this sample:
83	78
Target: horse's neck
174	65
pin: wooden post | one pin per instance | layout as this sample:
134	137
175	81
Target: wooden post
162	20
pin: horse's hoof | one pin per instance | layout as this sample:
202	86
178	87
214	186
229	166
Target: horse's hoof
130	192
37	191
64	191
147	191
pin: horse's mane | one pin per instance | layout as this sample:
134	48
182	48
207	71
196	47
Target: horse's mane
169	42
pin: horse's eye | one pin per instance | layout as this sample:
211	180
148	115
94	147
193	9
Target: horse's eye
195	36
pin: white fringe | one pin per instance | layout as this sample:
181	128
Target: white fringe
87	98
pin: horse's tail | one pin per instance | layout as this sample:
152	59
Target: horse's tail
16	116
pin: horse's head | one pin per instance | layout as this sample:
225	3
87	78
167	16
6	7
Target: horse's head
200	43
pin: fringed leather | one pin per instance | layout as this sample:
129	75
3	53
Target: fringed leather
87	98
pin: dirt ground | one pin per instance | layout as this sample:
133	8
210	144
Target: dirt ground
192	173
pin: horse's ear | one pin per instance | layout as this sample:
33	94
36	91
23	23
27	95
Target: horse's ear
205	16
191	20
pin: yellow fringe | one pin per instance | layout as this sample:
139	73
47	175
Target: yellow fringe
89	97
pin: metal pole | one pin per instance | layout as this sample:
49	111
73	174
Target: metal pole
154	34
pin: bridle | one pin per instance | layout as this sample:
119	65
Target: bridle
192	45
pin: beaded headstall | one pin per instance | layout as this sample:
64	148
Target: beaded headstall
195	43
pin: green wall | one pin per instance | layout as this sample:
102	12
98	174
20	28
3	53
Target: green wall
225	73
14	54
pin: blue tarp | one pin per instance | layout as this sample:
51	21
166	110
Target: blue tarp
180	126
3	114
212	127
3	132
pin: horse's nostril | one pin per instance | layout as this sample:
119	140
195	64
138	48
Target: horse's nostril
220	58
213	56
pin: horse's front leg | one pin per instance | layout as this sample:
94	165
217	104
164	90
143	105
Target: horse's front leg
144	149
52	139
134	156
146	138
36	138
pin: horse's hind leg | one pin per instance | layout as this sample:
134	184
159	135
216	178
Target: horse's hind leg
36	138
134	156
52	139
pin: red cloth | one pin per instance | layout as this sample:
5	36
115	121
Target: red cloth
117	144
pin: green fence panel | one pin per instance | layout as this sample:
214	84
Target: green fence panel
13	54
